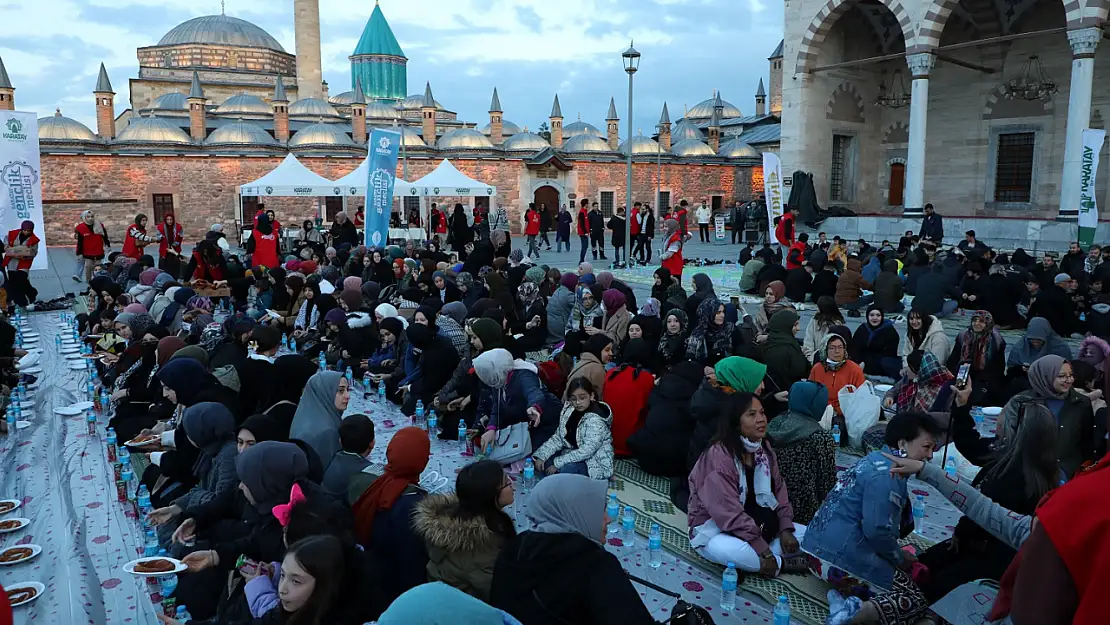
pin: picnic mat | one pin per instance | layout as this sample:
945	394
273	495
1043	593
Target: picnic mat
649	496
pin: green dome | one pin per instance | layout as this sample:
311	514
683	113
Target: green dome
377	37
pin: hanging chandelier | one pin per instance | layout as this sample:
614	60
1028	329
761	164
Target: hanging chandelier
1032	84
897	97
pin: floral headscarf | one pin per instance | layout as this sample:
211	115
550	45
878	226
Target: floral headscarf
979	347
528	293
673	346
708	338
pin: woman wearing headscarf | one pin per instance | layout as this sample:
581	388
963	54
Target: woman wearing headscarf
290	376
617	316
806	452
731	375
531	321
211	428
712	337
434	359
626	392
597	351
308	315
662	282
703	288
587	312
875	345
1040	340
1051	385
786	363
136	389
672	342
510	392
608	281
559	308
437	603
343	234
1095	351
378	269
926	386
559	571
92	244
319	413
470	289
672	249
462	233
982	345
383	507
19	255
774	300
445	289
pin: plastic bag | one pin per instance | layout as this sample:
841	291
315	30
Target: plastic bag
861	407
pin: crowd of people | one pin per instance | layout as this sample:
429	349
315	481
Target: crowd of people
738	406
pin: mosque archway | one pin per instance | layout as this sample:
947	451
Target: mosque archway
549	197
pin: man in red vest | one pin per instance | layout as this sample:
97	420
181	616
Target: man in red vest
92	244
263	245
583	222
169	248
532	230
23	246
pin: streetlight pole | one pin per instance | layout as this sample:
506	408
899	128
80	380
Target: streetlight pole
631	64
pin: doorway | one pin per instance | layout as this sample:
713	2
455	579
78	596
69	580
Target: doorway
548	196
897	184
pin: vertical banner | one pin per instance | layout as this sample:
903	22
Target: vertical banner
772	190
1088	169
20	178
381	176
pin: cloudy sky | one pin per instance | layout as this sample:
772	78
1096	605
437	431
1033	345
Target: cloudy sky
528	49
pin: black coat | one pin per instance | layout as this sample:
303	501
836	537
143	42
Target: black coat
344	233
1054	304
393	545
767	275
629	296
658	445
888	287
556	579
705	410
482	256
1000	297
798	282
824	283
437	363
597	223
869	351
973	286
617	226
932	289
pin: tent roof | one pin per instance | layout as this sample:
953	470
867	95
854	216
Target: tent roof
446	181
354	183
290	178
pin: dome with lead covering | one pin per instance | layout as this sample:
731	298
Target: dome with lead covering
241	133
580	127
704	110
244	103
525	141
61	128
171	102
692	147
641	145
415	102
685	130
586	143
321	134
314	108
736	148
152	130
464	139
220	30
508	129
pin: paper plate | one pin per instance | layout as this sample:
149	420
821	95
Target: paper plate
30	360
77	365
75	356
35	551
30	335
22	524
26	405
4	502
68	411
32	370
882	388
83	405
179	566
992	411
22	425
39	589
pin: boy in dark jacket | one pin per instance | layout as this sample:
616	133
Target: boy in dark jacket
597	231
888	288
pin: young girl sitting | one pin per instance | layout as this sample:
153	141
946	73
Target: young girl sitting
583	442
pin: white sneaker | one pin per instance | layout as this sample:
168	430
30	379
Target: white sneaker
76	278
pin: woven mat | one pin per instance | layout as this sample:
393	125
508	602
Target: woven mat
649	496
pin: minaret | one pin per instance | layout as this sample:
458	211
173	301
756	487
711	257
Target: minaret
665	129
198	127
280	104
715	129
496	127
7	91
612	123
760	99
358	114
105	106
775	83
556	124
428	113
306	23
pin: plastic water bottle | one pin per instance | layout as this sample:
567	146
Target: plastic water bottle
836	433
613	509
111	441
628	526
183	615
529	473
977	414
105	399
58	340
418	416
168	584
433	424
655	546
128	477
366	387
150	544
350	375
90	421
285	342
729	581
381	392
90	389
782	611
462	431
124	455
144	499
323	362
950	467
10	419
918	509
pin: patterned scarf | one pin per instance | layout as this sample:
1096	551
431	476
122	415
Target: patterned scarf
921	393
709	338
673	346
978	347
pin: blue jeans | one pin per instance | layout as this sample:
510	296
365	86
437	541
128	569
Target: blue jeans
947	308
859	303
585	241
575	468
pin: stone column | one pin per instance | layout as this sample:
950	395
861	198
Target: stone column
306	22
1083	43
920	65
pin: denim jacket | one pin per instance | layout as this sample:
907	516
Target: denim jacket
858	527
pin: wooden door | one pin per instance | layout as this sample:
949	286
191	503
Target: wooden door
549	197
897	184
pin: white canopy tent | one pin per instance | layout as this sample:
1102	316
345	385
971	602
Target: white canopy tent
290	178
354	183
446	181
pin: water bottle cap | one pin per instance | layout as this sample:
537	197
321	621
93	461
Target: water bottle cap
783	599
731	565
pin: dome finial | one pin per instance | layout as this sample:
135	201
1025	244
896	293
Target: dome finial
57	111
223	7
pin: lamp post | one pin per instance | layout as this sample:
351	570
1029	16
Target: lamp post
631	64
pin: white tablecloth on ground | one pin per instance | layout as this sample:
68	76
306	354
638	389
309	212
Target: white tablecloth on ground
63	477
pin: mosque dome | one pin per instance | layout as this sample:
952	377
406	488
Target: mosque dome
525	141
586	143
691	148
171	102
464	139
580	127
641	145
704	110
508	128
241	133
377	110
685	130
736	148
220	30
61	128
152	130
343	99
411	137
414	102
244	104
321	134
313	107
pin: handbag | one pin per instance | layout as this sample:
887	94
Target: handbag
511	444
682	613
861	408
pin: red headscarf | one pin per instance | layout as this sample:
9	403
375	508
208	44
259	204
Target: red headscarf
406	457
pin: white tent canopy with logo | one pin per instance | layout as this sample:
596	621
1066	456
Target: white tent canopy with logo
354	183
290	178
446	181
